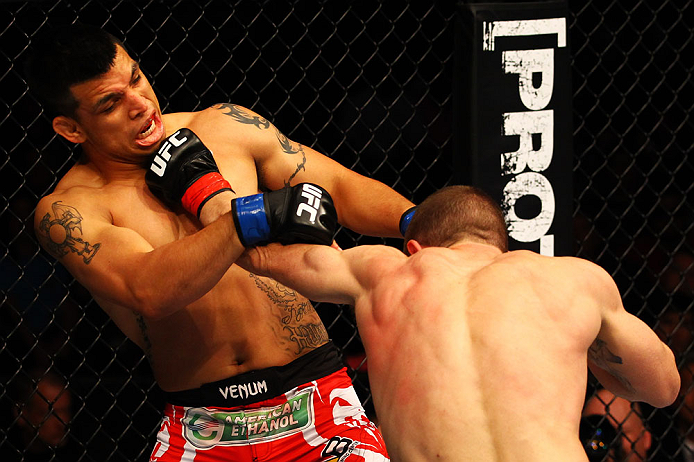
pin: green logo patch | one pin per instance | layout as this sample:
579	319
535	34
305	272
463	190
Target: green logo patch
205	428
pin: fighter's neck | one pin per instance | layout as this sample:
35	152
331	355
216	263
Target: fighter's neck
113	169
475	248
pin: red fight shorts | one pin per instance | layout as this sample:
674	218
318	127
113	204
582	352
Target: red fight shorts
318	420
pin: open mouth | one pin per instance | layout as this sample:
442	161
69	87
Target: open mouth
151	132
148	130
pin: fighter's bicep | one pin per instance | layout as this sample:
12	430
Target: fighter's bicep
289	162
97	253
59	227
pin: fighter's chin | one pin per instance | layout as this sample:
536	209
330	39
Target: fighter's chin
153	135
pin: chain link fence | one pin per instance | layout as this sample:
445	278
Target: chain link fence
369	84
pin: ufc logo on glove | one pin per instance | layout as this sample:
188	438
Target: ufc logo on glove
184	172
301	213
163	156
313	194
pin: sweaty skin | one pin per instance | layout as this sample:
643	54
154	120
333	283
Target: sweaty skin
478	355
168	282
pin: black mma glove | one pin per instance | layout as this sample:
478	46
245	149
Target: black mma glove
406	218
302	213
184	172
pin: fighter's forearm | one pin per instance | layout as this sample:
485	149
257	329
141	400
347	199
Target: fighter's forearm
370	207
315	271
216	207
283	263
177	274
664	385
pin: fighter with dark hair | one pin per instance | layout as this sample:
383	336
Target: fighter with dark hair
151	220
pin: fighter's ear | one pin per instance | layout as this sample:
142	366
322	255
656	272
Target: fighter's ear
413	247
69	129
647	439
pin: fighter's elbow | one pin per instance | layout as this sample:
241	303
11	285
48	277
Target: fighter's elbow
674	390
147	308
669	390
151	312
672	380
664	397
152	304
668	383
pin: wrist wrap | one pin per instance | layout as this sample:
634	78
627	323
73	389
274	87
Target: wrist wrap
250	219
202	190
406	218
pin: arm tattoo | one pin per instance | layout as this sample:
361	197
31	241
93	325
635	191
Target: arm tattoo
601	355
290	147
303	335
242	116
59	233
145	339
287	145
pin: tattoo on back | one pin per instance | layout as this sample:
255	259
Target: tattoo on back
302	334
59	232
601	355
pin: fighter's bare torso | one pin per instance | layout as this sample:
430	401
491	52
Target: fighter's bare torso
500	366
245	322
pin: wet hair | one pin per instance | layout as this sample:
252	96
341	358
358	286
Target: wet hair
66	56
457	213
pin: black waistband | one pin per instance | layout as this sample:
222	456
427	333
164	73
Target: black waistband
254	386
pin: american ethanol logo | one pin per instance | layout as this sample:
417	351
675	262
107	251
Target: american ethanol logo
205	428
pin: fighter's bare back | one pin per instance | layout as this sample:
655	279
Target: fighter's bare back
501	342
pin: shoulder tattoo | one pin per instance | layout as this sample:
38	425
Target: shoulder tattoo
601	355
292	148
243	117
288	146
59	232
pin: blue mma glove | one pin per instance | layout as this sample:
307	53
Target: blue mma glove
406	218
302	213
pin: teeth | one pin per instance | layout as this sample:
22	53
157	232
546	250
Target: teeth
149	130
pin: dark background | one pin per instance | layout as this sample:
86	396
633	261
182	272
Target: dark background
369	84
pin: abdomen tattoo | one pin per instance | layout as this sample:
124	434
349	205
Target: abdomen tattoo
304	335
